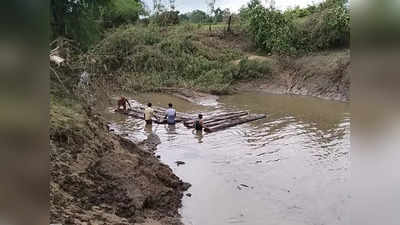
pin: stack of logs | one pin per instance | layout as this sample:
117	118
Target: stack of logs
138	112
212	123
225	120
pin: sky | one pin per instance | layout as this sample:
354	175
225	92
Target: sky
234	5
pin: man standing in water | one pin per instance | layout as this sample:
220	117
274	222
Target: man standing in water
149	114
170	115
199	123
122	103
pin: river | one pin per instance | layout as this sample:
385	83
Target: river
291	168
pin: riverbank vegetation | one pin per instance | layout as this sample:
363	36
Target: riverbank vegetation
192	50
150	57
298	31
121	46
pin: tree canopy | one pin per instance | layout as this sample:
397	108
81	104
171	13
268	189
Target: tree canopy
84	20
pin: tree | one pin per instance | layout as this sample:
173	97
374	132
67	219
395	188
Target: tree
84	20
211	7
77	20
226	14
197	16
122	12
218	15
211	11
158	6
172	4
253	4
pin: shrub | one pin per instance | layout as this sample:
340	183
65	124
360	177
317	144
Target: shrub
330	28
167	18
148	58
252	69
298	31
122	12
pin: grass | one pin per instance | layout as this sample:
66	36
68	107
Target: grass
139	58
65	116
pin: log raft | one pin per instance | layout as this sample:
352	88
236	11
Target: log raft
140	115
213	123
233	122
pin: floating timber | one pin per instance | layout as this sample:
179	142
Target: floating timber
215	120
212	123
140	115
233	122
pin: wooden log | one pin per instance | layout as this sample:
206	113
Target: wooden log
178	119
217	117
217	120
161	112
140	115
234	123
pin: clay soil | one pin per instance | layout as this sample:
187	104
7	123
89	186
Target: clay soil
100	178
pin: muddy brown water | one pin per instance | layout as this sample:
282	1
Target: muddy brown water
288	169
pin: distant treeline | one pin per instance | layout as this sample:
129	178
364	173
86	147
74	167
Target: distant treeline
199	16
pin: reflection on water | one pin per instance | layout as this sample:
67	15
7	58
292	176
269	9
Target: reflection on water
290	168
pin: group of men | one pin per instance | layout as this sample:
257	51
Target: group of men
170	114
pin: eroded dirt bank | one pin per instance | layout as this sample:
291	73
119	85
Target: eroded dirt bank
325	75
100	178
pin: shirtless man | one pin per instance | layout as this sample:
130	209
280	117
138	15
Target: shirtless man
199	123
122	102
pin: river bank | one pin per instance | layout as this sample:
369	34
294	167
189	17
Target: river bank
291	166
324	75
97	177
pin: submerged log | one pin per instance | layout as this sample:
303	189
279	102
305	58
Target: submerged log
217	120
218	117
159	111
234	122
139	114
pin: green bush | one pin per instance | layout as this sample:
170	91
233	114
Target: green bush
298	31
252	69
171	57
121	12
272	30
84	21
166	18
330	28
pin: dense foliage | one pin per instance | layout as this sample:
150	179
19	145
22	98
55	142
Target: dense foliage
196	16
148	58
166	18
85	20
122	12
199	16
320	27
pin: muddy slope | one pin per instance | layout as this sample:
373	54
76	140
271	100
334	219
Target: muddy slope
325	75
100	178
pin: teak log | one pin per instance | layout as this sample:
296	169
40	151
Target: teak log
234	123
217	117
217	120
